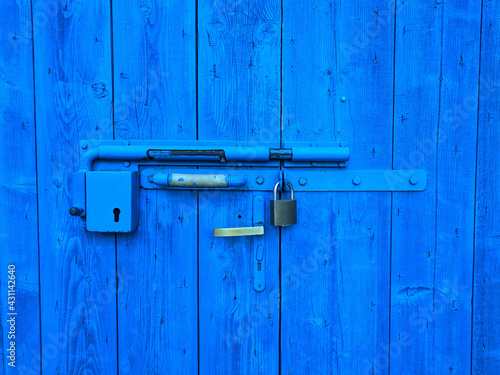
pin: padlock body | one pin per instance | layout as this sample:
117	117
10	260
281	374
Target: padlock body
283	212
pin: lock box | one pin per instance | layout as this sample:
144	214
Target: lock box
112	201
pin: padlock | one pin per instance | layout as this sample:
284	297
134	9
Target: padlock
284	211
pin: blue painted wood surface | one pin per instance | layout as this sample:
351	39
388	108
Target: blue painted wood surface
335	291
436	76
18	190
485	340
239	99
366	283
155	98
73	90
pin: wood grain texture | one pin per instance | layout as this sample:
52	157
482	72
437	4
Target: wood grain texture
238	326
486	342
437	52
239	99
77	269
397	83
155	98
239	69
18	201
335	261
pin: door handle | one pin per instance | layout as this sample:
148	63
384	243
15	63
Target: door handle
257	228
198	181
258	243
237	232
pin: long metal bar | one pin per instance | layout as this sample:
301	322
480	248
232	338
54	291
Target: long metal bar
221	154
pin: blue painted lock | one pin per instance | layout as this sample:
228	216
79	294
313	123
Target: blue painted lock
112	201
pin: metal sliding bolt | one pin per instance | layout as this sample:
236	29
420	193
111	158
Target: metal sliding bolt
356	180
414	180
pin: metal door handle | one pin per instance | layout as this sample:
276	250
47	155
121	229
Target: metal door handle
236	232
257	228
258	243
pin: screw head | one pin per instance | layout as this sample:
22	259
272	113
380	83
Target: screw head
302	181
239	164
75	211
356	180
126	164
259	180
414	180
83	144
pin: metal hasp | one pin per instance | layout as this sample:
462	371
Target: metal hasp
177	165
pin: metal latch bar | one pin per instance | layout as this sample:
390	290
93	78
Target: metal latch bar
222	154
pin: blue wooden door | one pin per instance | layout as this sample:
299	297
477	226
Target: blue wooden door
365	283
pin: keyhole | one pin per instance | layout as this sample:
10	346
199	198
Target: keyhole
116	211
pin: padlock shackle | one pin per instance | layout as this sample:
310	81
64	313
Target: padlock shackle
288	183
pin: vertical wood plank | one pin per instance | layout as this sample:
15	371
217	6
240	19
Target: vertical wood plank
486	344
155	98
239	99
437	51
335	261
238	326
72	52
18	199
239	69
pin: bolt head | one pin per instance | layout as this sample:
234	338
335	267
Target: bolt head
356	180
126	164
239	164
414	180
259	180
302	181
75	211
343	99
83	144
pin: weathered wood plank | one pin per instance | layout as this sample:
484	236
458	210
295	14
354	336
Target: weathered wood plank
155	98
238	326
486	342
437	51
239	99
18	201
335	262
77	269
239	69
